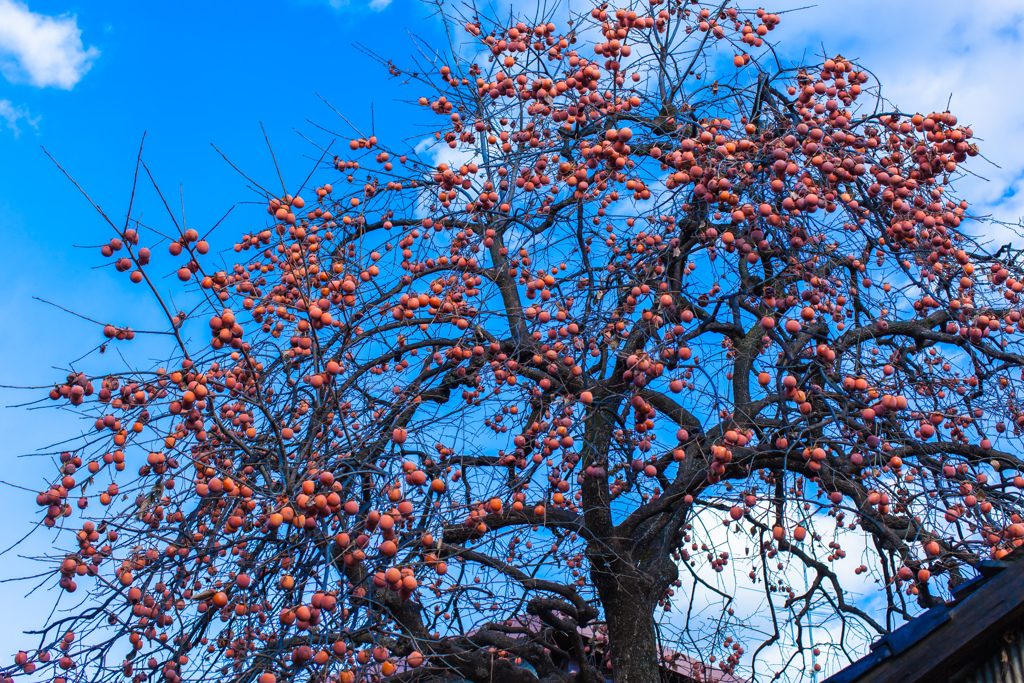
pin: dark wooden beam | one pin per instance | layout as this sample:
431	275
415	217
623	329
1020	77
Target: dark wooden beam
972	628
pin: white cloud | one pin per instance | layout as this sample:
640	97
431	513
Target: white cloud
42	50
752	622
375	5
12	114
436	153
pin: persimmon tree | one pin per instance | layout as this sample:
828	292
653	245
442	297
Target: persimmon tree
436	421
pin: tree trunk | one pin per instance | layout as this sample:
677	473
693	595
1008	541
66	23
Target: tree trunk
631	635
624	589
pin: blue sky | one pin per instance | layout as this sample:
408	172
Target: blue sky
86	80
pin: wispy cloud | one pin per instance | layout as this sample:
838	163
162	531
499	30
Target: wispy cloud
42	50
12	114
375	5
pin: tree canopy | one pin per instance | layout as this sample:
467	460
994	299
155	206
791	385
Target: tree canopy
675	297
